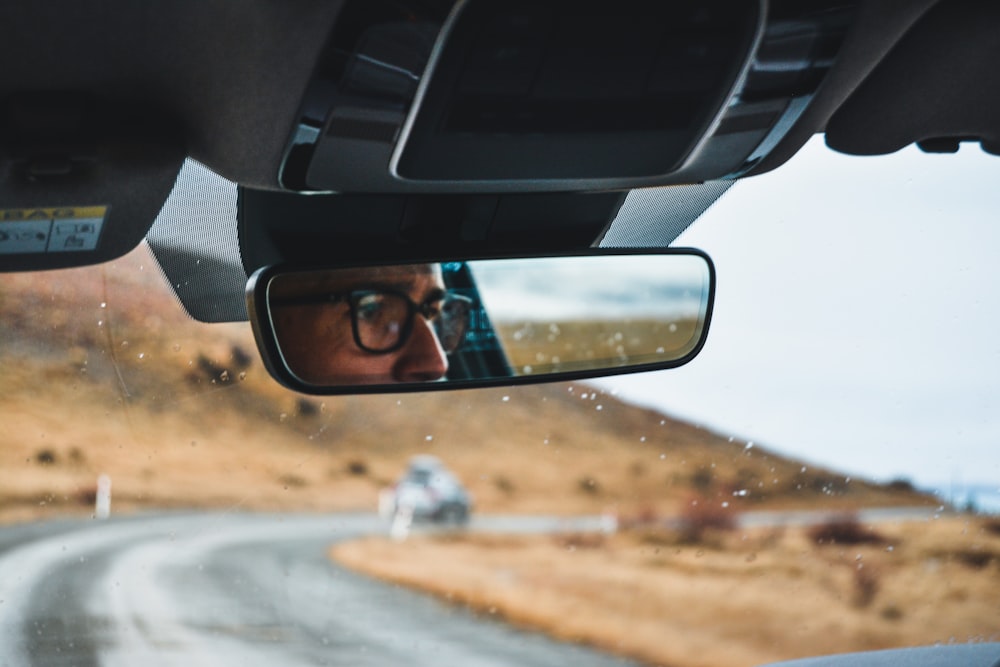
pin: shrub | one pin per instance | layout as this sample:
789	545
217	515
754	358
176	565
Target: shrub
702	479
306	408
866	585
45	457
589	485
86	496
644	515
503	484
242	359
575	541
901	484
357	468
701	515
892	613
290	480
844	529
975	559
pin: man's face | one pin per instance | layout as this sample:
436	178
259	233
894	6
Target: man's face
319	344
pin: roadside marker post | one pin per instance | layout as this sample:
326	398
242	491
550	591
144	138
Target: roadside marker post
102	502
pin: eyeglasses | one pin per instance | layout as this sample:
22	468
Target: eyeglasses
382	319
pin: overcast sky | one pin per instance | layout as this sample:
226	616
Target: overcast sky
857	321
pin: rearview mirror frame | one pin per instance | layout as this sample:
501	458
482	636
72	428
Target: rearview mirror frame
265	335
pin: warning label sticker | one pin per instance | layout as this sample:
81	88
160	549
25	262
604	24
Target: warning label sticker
62	229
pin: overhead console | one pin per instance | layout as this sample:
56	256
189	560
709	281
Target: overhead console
556	95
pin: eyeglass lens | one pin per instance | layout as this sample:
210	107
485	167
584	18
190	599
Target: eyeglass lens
453	322
383	319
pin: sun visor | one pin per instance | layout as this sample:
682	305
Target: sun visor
80	180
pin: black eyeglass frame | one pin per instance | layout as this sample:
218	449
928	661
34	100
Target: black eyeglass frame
353	298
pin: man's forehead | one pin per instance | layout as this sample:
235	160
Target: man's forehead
405	276
403	272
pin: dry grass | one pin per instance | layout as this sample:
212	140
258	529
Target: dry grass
736	599
570	344
103	370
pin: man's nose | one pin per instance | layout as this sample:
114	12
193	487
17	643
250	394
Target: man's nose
422	359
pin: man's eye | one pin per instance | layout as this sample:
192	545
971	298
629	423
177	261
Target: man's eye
370	308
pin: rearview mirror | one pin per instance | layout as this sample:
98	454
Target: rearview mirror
433	325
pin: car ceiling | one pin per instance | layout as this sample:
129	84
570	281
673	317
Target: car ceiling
228	72
221	82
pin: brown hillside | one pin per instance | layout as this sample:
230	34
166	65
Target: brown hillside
104	373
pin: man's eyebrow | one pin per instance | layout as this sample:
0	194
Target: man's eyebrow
436	293
391	285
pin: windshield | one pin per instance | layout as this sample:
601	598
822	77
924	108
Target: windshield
823	478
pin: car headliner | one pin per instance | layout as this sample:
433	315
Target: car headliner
231	70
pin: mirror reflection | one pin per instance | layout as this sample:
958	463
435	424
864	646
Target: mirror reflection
486	319
370	325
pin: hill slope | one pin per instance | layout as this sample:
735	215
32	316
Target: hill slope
104	373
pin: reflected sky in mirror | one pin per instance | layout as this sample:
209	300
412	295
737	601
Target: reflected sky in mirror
625	286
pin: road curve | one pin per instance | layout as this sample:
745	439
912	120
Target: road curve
236	589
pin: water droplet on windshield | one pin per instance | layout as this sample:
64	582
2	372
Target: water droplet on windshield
749	445
141	355
599	407
104	305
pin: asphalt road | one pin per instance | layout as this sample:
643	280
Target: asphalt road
254	590
237	589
